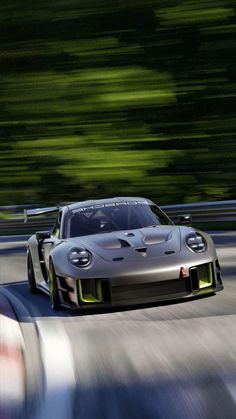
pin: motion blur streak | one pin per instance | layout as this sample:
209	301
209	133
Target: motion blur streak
59	372
12	377
100	96
151	367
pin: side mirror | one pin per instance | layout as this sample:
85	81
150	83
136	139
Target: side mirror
184	219
42	235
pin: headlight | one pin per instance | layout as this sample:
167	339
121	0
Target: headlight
80	257
196	243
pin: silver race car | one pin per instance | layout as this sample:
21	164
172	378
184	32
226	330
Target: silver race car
119	251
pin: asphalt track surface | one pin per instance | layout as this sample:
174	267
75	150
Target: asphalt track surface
175	360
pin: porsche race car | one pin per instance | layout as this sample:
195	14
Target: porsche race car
119	251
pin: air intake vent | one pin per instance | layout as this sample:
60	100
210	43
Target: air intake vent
124	243
141	249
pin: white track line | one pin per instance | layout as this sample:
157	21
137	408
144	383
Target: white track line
59	371
12	375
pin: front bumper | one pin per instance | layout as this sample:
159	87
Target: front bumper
111	292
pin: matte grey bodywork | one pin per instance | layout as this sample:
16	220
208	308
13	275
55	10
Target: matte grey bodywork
154	255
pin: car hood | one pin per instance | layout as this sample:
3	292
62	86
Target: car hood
150	242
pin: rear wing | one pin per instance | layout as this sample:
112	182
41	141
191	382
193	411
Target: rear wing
39	211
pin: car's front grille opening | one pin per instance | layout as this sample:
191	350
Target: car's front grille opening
218	272
194	279
205	276
106	290
149	290
64	285
93	291
219	279
67	299
201	276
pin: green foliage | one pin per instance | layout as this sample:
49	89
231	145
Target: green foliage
4	215
103	98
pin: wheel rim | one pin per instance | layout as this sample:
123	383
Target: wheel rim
54	298
51	285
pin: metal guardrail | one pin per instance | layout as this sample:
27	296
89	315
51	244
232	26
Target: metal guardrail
205	212
18	227
16	208
209	215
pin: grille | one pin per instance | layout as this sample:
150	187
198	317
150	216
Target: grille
93	291
202	276
148	290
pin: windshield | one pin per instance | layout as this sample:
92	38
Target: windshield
113	217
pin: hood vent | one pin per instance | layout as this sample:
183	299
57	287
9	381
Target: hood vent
124	243
117	259
109	242
158	236
142	250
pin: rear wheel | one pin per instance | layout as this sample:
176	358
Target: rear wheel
54	295
30	272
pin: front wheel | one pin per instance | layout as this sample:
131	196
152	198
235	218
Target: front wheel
54	295
30	272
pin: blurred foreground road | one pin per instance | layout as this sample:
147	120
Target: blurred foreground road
165	361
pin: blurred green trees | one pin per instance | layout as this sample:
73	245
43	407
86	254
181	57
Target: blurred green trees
117	97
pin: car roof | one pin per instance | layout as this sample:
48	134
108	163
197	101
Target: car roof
109	201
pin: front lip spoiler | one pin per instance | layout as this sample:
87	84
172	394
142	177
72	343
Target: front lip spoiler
140	303
171	298
134	303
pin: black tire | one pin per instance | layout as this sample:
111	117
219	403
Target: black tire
54	294
30	272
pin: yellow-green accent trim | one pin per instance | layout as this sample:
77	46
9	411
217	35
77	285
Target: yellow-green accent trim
99	290
89	298
206	282
51	284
